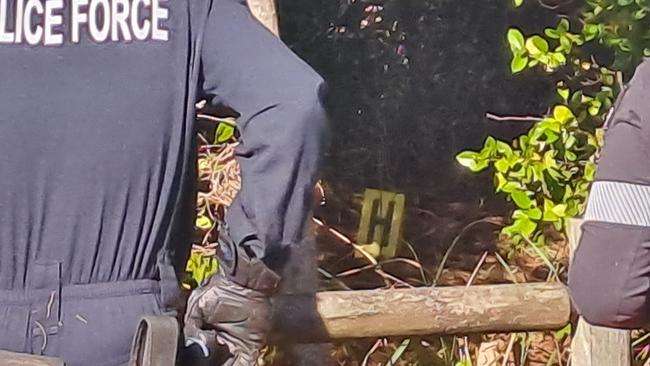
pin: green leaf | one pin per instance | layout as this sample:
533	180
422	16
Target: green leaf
517	3
523	142
490	145
535	213
590	171
598	9
575	38
518	63
552	33
549	124
568	193
640	14
399	352
471	160
560	210
522	200
556	174
594	107
551	137
203	223
562	114
563	93
201	267
518	214
624	2
467	158
535	135
563	26
224	133
515	40
511	187
563	333
502	165
536	45
525	227
570	141
500	181
549	160
504	148
590	31
549	213
625	45
576	98
558	58
570	156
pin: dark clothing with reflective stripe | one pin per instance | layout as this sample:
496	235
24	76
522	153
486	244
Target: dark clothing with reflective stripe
610	275
97	177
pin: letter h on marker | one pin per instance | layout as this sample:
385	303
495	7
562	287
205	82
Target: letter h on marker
381	221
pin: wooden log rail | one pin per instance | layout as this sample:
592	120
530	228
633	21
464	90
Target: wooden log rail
422	311
449	310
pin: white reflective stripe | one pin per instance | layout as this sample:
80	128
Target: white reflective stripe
619	203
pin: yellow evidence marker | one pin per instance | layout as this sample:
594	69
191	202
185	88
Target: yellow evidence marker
380	228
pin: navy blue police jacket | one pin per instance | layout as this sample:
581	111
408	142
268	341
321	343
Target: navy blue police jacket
97	137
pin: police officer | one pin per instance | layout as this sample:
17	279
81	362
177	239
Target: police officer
97	171
609	278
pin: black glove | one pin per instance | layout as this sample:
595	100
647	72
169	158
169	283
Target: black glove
224	313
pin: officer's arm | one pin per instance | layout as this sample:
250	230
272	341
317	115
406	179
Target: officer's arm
282	123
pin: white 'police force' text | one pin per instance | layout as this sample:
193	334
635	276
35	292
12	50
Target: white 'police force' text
41	22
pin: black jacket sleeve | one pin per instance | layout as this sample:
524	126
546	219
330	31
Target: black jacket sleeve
282	125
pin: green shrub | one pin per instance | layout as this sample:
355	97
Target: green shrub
546	172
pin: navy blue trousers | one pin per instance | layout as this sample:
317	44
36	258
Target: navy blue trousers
82	324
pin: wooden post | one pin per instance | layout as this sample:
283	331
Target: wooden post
592	345
265	12
423	311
